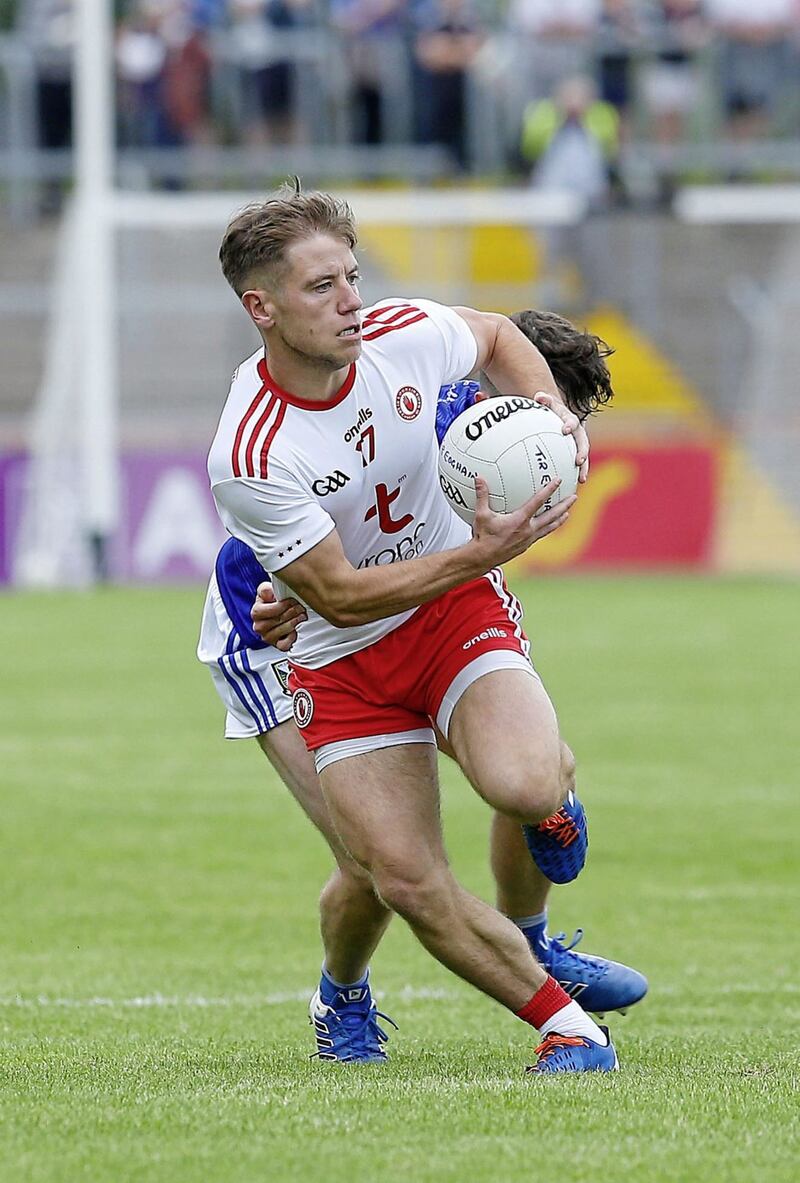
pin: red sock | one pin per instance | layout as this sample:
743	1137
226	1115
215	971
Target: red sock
548	999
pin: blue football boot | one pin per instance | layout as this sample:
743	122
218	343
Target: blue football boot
573	1053
346	1024
558	844
596	984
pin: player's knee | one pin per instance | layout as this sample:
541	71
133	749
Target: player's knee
415	897
348	880
528	793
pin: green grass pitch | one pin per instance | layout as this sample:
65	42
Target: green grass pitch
159	938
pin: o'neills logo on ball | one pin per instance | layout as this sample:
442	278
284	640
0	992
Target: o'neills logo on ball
408	402
302	707
497	414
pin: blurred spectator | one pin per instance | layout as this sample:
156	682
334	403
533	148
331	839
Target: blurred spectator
141	54
446	46
618	30
671	83
755	59
375	48
268	72
49	27
187	74
555	39
572	140
163	70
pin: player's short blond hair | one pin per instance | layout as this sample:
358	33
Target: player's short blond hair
258	236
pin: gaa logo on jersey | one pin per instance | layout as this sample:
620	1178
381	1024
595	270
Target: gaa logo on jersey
302	708
408	402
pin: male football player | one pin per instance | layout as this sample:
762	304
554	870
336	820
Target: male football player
324	464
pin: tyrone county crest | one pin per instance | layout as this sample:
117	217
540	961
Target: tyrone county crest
302	707
408	402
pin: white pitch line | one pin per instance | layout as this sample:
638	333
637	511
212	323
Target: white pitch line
199	1002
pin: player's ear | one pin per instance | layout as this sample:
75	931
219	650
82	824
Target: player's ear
259	308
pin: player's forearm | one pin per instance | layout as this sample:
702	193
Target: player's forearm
363	595
515	365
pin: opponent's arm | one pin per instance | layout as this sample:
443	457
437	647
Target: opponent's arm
346	596
515	366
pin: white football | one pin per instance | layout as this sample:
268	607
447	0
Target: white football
516	445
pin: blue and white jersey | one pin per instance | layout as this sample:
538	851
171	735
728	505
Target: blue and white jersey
251	677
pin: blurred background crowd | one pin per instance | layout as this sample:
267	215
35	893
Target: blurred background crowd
618	98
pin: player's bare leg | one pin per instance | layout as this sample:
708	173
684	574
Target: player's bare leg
522	889
352	917
504	734
385	806
479	737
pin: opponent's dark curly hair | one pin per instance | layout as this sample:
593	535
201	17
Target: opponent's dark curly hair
577	359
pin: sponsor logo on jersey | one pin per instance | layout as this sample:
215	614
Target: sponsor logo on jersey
383	509
410	546
408	402
486	635
494	415
326	485
364	416
451	492
302	708
281	671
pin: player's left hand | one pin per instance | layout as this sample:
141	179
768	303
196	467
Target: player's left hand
276	621
572	426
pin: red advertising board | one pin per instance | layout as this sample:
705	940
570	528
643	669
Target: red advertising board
642	507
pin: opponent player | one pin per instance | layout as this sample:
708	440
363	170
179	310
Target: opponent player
324	463
251	674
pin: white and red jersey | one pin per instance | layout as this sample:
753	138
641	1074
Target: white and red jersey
286	471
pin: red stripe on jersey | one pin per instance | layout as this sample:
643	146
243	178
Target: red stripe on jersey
270	437
248	456
237	443
379	317
393	328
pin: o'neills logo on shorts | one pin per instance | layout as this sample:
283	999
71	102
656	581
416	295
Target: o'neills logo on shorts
408	402
486	635
302	708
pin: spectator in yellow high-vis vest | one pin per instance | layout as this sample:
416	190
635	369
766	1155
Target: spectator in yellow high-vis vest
571	140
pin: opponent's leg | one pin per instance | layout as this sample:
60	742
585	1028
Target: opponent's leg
352	917
385	806
596	983
522	893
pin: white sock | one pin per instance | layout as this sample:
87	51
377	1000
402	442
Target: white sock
571	1020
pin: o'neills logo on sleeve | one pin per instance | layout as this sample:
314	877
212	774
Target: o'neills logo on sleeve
408	402
302	707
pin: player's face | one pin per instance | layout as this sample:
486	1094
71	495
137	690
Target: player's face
316	308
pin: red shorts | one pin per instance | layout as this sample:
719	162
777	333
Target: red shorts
415	673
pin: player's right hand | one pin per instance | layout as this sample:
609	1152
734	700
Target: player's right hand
276	621
503	536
